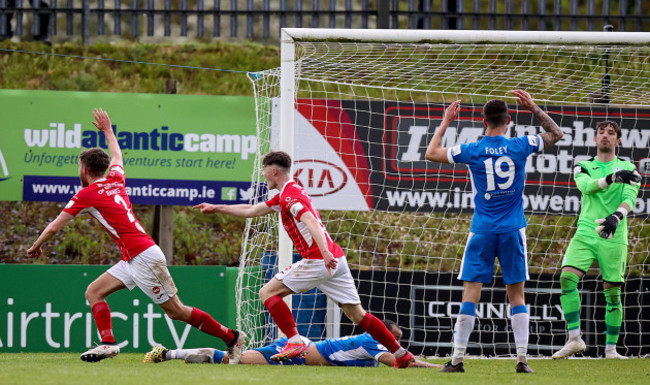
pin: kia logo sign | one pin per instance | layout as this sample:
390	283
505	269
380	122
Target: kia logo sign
318	177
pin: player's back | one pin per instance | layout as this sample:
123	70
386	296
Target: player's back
497	171
359	350
106	200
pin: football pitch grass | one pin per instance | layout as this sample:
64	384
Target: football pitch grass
127	369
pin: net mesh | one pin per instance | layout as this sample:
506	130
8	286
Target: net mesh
365	113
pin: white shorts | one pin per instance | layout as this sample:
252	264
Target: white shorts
148	271
307	274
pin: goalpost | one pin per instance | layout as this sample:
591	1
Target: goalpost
356	110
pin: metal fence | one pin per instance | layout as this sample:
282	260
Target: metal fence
262	19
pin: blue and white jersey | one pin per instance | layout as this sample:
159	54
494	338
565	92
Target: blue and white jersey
497	172
276	347
361	350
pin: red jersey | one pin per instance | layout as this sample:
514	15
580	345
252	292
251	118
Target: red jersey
106	201
292	202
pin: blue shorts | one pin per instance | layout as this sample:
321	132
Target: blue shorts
482	249
276	347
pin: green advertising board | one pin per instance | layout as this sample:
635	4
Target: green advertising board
178	149
43	309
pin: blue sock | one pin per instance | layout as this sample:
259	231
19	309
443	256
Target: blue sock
217	356
468	308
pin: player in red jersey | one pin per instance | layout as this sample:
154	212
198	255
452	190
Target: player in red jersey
143	264
323	264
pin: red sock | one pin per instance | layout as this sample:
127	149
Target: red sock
205	323
379	331
102	315
281	315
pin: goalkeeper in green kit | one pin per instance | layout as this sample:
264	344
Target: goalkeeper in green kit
609	186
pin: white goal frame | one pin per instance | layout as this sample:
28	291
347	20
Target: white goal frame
288	66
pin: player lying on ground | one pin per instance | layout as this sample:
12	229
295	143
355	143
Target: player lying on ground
360	350
143	264
497	170
323	264
609	187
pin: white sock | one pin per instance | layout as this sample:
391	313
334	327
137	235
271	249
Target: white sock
180	354
399	352
520	323
462	330
296	339
610	348
574	334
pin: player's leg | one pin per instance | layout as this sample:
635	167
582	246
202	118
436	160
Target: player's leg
512	252
201	355
378	330
284	283
464	325
577	259
612	260
201	320
264	355
149	272
476	268
341	289
96	294
520	321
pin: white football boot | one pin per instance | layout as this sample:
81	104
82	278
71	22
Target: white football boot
100	352
572	347
613	354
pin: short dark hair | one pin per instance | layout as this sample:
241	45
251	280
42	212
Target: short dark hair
495	112
277	158
95	160
606	123
389	324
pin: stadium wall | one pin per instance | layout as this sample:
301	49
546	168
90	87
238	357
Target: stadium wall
43	309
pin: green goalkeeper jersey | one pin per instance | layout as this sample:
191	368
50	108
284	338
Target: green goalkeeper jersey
597	203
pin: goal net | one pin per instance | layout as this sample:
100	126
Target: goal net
357	109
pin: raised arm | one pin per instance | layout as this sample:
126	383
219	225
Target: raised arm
588	185
435	152
103	124
241	210
54	227
552	132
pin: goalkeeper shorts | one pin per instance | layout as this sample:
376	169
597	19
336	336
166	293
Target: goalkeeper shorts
482	249
585	249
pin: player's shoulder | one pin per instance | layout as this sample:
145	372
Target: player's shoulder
585	166
586	162
533	140
294	191
467	148
625	164
116	171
